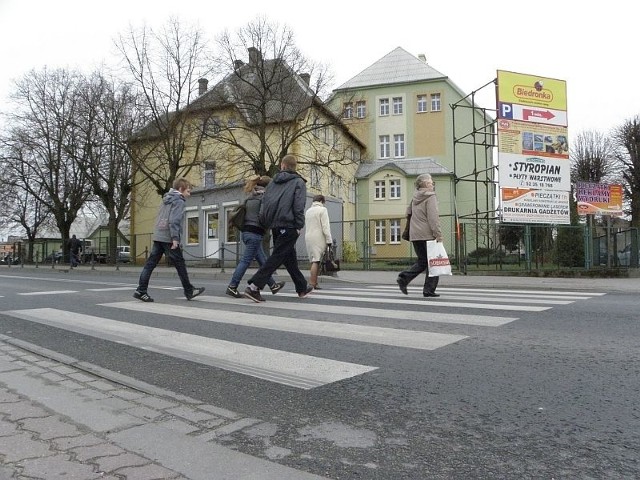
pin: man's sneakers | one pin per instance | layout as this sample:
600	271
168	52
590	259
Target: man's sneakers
194	293
403	286
306	292
276	287
233	292
253	295
143	297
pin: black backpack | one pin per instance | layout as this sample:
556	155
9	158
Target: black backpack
236	217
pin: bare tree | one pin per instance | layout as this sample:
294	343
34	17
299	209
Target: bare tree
627	141
109	118
44	131
592	157
165	66
267	103
21	209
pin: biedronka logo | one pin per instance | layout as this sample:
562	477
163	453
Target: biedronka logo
535	92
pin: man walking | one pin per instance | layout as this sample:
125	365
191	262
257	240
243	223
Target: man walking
74	251
283	211
166	241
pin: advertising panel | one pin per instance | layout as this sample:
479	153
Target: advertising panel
534	171
535	206
599	199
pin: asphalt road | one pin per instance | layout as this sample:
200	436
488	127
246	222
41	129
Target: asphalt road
515	380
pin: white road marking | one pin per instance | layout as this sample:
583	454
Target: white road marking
112	289
48	292
484	298
359	333
425	302
495	290
293	369
416	315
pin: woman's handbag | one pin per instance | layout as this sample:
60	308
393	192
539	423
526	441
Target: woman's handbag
438	259
328	263
405	232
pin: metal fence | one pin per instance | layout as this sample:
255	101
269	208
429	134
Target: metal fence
472	246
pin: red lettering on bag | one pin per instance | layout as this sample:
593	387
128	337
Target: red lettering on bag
438	262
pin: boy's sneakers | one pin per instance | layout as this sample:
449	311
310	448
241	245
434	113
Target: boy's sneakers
253	295
306	292
194	293
276	287
144	297
233	292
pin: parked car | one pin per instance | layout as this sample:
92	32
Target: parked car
8	260
624	256
123	253
55	257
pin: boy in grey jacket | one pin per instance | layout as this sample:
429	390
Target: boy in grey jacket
166	241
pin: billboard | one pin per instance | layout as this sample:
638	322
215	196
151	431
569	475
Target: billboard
533	148
599	199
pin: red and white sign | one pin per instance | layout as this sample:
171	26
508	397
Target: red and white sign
547	116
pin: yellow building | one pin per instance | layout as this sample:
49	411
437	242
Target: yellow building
241	127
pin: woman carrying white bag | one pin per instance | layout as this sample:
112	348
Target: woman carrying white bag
424	227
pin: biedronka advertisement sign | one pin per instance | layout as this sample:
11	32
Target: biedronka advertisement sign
533	149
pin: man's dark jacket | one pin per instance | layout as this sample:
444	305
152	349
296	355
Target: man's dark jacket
284	201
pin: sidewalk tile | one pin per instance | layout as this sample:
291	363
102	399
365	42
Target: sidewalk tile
59	466
50	427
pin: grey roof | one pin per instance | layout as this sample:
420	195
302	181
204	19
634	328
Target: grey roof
397	66
407	166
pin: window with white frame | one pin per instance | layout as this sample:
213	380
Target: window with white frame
314	176
394	188
397	106
212	224
233	234
380	229
352	192
435	102
398	145
316	127
384	107
422	103
394	230
209	174
361	109
347	110
379	192
213	125
334	184
385	151
193	228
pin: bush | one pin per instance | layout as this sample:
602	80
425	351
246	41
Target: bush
349	252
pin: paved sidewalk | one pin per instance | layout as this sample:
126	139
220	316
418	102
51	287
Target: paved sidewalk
58	419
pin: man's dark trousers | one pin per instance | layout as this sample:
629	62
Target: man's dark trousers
284	253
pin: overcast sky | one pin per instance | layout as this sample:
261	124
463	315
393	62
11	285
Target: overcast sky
590	45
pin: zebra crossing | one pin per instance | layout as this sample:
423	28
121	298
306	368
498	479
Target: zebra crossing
366	315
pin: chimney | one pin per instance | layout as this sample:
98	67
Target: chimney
254	56
237	64
203	84
422	57
305	77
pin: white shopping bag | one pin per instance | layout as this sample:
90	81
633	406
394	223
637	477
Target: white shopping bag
438	259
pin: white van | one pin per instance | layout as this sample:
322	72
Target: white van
123	254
